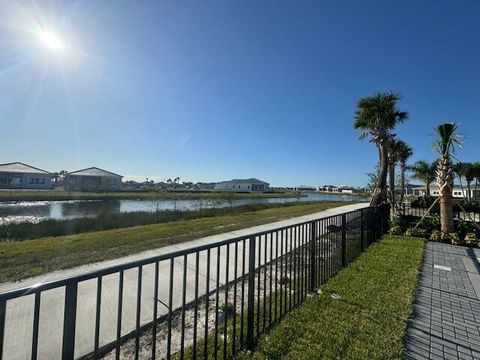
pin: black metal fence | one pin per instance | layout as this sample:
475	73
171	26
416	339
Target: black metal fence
459	213
209	301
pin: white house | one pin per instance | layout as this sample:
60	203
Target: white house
93	179
458	191
18	175
345	189
242	185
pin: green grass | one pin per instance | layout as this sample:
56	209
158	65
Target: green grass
50	195
369	319
27	258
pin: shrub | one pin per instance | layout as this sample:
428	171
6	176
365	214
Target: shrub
465	227
471	239
395	230
436	235
431	223
399	223
418	232
454	239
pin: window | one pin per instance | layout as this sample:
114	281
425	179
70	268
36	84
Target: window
457	193
31	181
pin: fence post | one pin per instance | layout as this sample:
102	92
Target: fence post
375	223
3	310
251	293
387	223
344	240
313	238
362	235
69	321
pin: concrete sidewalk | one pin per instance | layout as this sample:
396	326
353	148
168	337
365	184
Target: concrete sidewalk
19	315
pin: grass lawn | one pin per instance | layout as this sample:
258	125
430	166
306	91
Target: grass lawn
27	258
369	319
48	195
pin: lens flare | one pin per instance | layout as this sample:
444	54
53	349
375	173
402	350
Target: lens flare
50	40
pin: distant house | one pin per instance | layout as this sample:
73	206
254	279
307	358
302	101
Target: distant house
345	189
18	175
457	191
93	179
305	188
328	188
242	185
204	186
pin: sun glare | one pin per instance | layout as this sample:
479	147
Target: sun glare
50	40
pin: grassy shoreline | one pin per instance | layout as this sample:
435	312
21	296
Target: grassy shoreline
107	221
365	320
59	195
22	259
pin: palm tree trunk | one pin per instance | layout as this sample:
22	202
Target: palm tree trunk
475	191
446	212
391	185
427	188
469	197
445	181
461	185
379	192
402	182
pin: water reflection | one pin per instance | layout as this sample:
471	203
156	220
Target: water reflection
35	211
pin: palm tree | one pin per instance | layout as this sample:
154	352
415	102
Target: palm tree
392	161
445	145
403	153
424	171
459	171
398	152
55	176
476	175
376	116
467	171
469	177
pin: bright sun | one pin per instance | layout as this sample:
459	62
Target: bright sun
50	40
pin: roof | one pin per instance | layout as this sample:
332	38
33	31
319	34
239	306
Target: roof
94	171
18	167
243	181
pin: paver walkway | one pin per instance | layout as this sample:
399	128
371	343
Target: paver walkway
445	322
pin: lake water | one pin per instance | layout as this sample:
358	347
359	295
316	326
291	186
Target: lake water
36	211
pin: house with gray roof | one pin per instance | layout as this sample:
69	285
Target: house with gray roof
93	179
17	175
242	185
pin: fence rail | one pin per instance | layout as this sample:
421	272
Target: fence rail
458	213
208	301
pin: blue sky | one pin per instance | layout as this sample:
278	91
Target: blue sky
212	90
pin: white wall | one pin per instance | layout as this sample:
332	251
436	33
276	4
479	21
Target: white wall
239	187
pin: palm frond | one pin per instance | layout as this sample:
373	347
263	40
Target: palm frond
447	138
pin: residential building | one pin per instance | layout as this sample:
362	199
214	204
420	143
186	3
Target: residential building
242	185
93	179
457	191
305	188
17	175
328	188
345	189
